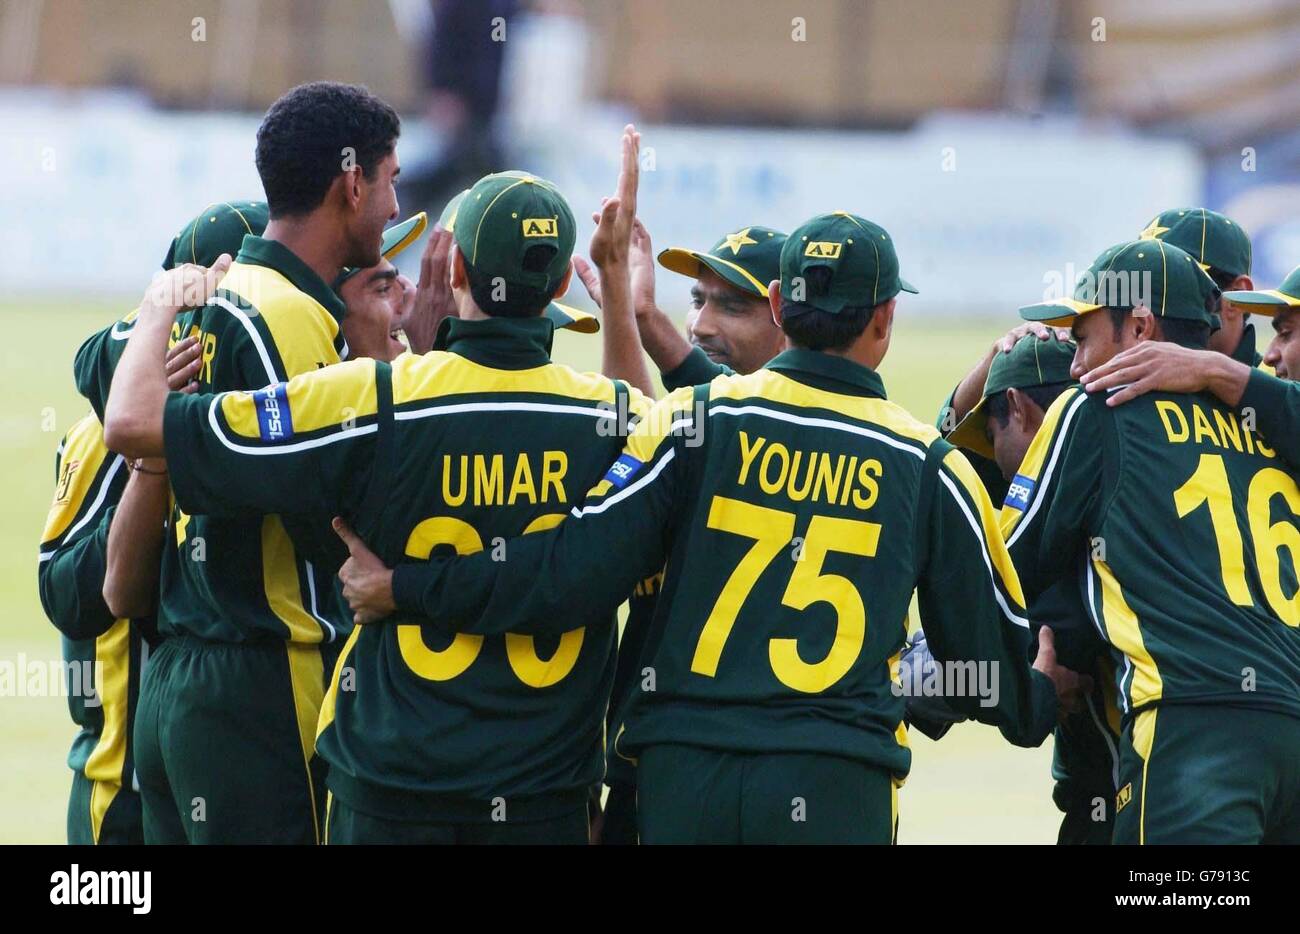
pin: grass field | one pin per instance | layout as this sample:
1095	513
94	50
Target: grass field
972	787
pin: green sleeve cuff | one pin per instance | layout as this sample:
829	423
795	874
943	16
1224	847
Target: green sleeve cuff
697	368
1270	397
943	410
408	589
181	469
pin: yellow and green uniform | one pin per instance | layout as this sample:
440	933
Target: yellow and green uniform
248	605
105	655
456	450
1183	524
1275	405
794	510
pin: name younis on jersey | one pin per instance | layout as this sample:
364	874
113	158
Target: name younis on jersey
809	475
1225	430
497	480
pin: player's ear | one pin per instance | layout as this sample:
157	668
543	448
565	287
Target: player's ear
1143	325
882	319
564	283
774	299
349	186
459	278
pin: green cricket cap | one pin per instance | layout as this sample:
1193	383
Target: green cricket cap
1269	301
859	254
1031	362
396	239
1151	273
218	228
564	316
749	259
1213	240
503	216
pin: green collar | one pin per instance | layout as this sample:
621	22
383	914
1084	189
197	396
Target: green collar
500	343
1245	352
275	255
828	372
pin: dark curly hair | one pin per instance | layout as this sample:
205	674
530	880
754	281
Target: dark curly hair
306	136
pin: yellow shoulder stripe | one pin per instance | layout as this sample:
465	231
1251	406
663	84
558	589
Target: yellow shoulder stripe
1125	633
301	329
1040	449
768	385
83	455
439	374
659	424
955	463
320	399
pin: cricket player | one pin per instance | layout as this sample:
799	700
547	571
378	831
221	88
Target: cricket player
432	739
1273	402
1021	384
1223	249
1183	521
226	719
106	643
796	510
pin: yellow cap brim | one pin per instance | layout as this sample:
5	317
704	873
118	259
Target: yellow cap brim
969	433
1059	313
687	263
1262	301
398	237
570	318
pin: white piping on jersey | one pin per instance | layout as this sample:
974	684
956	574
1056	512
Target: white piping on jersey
117	335
984	552
1105	734
505	407
104	484
579	512
1097	621
1041	486
311	591
251	328
816	423
281	448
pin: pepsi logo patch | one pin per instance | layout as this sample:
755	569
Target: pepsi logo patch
274	420
1022	488
623	470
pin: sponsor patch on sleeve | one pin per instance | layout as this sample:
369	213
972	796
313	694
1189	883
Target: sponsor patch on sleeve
623	470
273	417
1018	494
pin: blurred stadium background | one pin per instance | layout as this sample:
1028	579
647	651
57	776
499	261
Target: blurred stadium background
1002	142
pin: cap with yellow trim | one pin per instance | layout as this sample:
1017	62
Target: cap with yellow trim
564	316
859	254
396	239
1148	273
218	228
749	259
1212	239
505	215
1269	301
1031	362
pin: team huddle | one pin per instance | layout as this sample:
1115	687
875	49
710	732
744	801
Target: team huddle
350	551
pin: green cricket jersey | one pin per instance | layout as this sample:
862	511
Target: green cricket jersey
246	576
449	451
1085	748
796	510
89	480
97	359
1275	405
1184	525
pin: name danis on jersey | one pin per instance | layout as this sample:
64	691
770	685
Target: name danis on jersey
483	479
812	475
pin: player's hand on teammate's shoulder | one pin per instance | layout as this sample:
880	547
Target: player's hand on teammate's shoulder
185	286
433	298
184	360
367	581
1036	328
1071	687
1159	366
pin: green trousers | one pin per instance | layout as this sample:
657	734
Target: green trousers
686	794
1200	774
224	743
103	813
346	825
